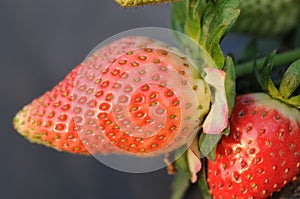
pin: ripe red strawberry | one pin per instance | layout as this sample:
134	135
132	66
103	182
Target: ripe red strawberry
134	95
261	153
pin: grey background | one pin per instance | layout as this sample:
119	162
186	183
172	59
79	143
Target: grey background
40	42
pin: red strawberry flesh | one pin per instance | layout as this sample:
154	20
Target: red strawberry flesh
261	153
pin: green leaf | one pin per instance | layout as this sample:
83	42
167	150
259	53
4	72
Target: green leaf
213	141
230	83
192	23
182	163
295	101
179	15
208	143
263	76
218	19
202	182
180	184
181	181
133	3
207	22
291	80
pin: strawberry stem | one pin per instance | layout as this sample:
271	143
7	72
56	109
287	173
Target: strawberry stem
279	60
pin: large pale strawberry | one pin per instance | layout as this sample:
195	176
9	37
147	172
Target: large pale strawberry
262	152
134	95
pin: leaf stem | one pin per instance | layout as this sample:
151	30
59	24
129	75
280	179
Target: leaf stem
279	59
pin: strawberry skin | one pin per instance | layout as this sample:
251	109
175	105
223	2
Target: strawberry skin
79	115
261	153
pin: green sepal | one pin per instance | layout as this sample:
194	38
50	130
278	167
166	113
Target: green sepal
208	143
230	82
291	80
181	182
187	44
202	181
263	76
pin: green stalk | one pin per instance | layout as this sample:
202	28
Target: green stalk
279	60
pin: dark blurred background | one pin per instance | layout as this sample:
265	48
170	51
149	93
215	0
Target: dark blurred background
40	42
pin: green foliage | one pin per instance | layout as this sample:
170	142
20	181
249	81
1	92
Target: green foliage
181	181
207	22
291	80
263	76
207	144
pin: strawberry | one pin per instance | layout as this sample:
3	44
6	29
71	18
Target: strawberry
134	95
268	17
262	152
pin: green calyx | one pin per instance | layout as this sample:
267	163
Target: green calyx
206	22
289	84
